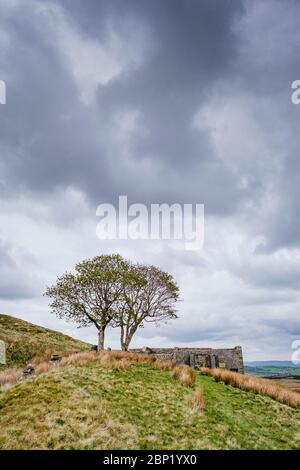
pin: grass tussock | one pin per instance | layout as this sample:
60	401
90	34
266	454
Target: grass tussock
105	359
255	384
10	377
196	401
165	365
42	367
108	359
184	374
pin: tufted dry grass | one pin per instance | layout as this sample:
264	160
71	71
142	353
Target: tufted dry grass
255	384
196	401
106	359
10	377
184	374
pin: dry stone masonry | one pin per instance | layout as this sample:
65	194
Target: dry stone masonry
231	359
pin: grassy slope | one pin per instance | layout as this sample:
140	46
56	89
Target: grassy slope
89	407
25	341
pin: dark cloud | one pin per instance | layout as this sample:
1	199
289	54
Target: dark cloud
52	139
164	101
15	283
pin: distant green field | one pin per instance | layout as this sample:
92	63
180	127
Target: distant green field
267	371
24	341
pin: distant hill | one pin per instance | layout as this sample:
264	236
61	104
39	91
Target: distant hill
25	341
272	368
271	363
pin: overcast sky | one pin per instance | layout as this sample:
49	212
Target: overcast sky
162	101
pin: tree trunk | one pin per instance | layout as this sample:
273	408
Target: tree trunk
127	332
125	342
101	338
125	345
122	339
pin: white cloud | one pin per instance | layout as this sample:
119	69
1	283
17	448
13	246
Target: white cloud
94	62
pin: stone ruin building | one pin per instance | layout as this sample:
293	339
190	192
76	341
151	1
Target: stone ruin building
231	359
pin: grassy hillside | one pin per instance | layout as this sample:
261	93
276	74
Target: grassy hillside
92	405
25	341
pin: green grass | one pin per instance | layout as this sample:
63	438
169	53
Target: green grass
25	341
91	407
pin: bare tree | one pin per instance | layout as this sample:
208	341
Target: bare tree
150	296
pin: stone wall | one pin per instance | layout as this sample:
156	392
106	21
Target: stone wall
231	359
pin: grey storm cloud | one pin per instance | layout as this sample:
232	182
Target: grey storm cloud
51	139
162	101
15	282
